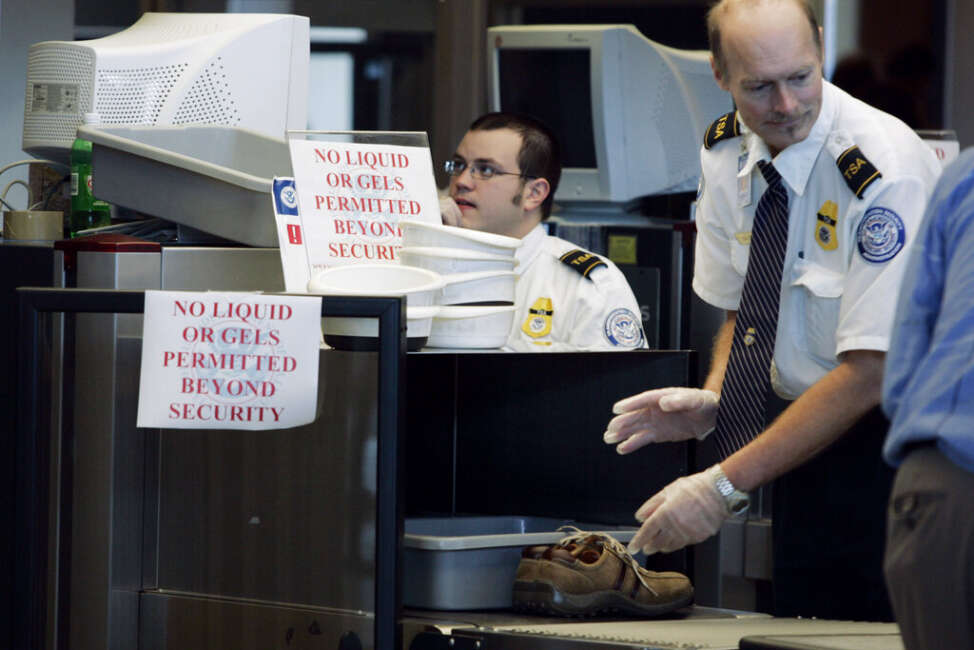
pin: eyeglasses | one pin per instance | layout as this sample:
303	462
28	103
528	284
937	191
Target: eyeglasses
482	171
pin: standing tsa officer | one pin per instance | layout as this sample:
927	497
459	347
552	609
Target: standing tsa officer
808	203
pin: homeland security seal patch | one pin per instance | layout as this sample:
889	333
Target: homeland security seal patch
881	235
623	328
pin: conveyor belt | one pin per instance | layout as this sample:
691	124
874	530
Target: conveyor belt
709	634
695	634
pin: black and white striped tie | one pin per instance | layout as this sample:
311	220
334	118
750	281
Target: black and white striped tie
743	396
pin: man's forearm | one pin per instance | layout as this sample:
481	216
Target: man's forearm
811	423
721	353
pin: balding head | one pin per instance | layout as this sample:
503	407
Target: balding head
768	57
721	9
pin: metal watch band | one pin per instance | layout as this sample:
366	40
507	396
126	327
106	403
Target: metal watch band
736	500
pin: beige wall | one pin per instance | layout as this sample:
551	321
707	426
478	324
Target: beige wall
460	77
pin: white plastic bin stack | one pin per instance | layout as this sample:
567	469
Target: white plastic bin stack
421	287
478	271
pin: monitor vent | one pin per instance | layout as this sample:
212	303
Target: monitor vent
209	100
67	67
135	95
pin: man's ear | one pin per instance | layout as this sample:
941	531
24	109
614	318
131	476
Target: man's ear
535	192
718	74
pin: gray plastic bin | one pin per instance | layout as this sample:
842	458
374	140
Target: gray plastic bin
213	178
455	563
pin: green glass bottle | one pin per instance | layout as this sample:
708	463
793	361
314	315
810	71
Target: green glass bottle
86	210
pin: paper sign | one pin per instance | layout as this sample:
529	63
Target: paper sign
290	236
225	360
353	195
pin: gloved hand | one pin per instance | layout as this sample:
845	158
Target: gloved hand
687	511
661	415
449	211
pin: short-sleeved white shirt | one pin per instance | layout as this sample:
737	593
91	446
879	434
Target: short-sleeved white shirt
845	255
560	309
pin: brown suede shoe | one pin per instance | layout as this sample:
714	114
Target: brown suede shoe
591	574
531	556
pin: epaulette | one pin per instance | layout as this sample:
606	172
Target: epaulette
857	171
582	261
723	128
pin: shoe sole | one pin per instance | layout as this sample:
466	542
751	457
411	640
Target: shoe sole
538	597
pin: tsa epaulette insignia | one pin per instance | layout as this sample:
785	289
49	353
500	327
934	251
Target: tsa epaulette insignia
723	128
857	171
582	261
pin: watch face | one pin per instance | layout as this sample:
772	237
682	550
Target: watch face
738	503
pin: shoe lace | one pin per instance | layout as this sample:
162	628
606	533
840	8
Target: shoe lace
584	538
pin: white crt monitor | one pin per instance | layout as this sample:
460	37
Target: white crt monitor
241	70
630	113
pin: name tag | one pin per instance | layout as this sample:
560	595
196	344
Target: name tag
743	182
744	191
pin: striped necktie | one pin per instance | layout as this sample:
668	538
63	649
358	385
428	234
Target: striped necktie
743	397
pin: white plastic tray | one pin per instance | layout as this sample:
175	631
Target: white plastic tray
454	563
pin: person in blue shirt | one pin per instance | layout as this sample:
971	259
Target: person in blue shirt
928	395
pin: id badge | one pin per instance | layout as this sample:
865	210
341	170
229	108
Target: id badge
743	182
744	191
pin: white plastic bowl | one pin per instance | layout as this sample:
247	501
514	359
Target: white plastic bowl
462	326
479	287
419	321
421	234
450	261
421	287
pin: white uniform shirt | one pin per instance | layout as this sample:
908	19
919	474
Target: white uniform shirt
559	309
845	256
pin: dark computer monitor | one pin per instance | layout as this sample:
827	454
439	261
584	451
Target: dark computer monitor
630	113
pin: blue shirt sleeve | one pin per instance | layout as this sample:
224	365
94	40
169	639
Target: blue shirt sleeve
928	388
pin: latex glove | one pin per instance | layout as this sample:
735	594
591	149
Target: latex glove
449	211
661	415
687	511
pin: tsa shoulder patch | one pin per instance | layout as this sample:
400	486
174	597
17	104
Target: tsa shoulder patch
857	171
622	328
723	128
881	235
582	261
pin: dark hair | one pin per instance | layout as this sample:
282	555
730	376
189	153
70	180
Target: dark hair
713	28
540	153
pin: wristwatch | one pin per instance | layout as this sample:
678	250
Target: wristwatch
737	501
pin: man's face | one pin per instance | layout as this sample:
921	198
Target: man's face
495	205
773	70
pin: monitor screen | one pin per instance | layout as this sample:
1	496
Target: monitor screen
553	85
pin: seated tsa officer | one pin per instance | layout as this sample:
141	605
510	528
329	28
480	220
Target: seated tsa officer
503	178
